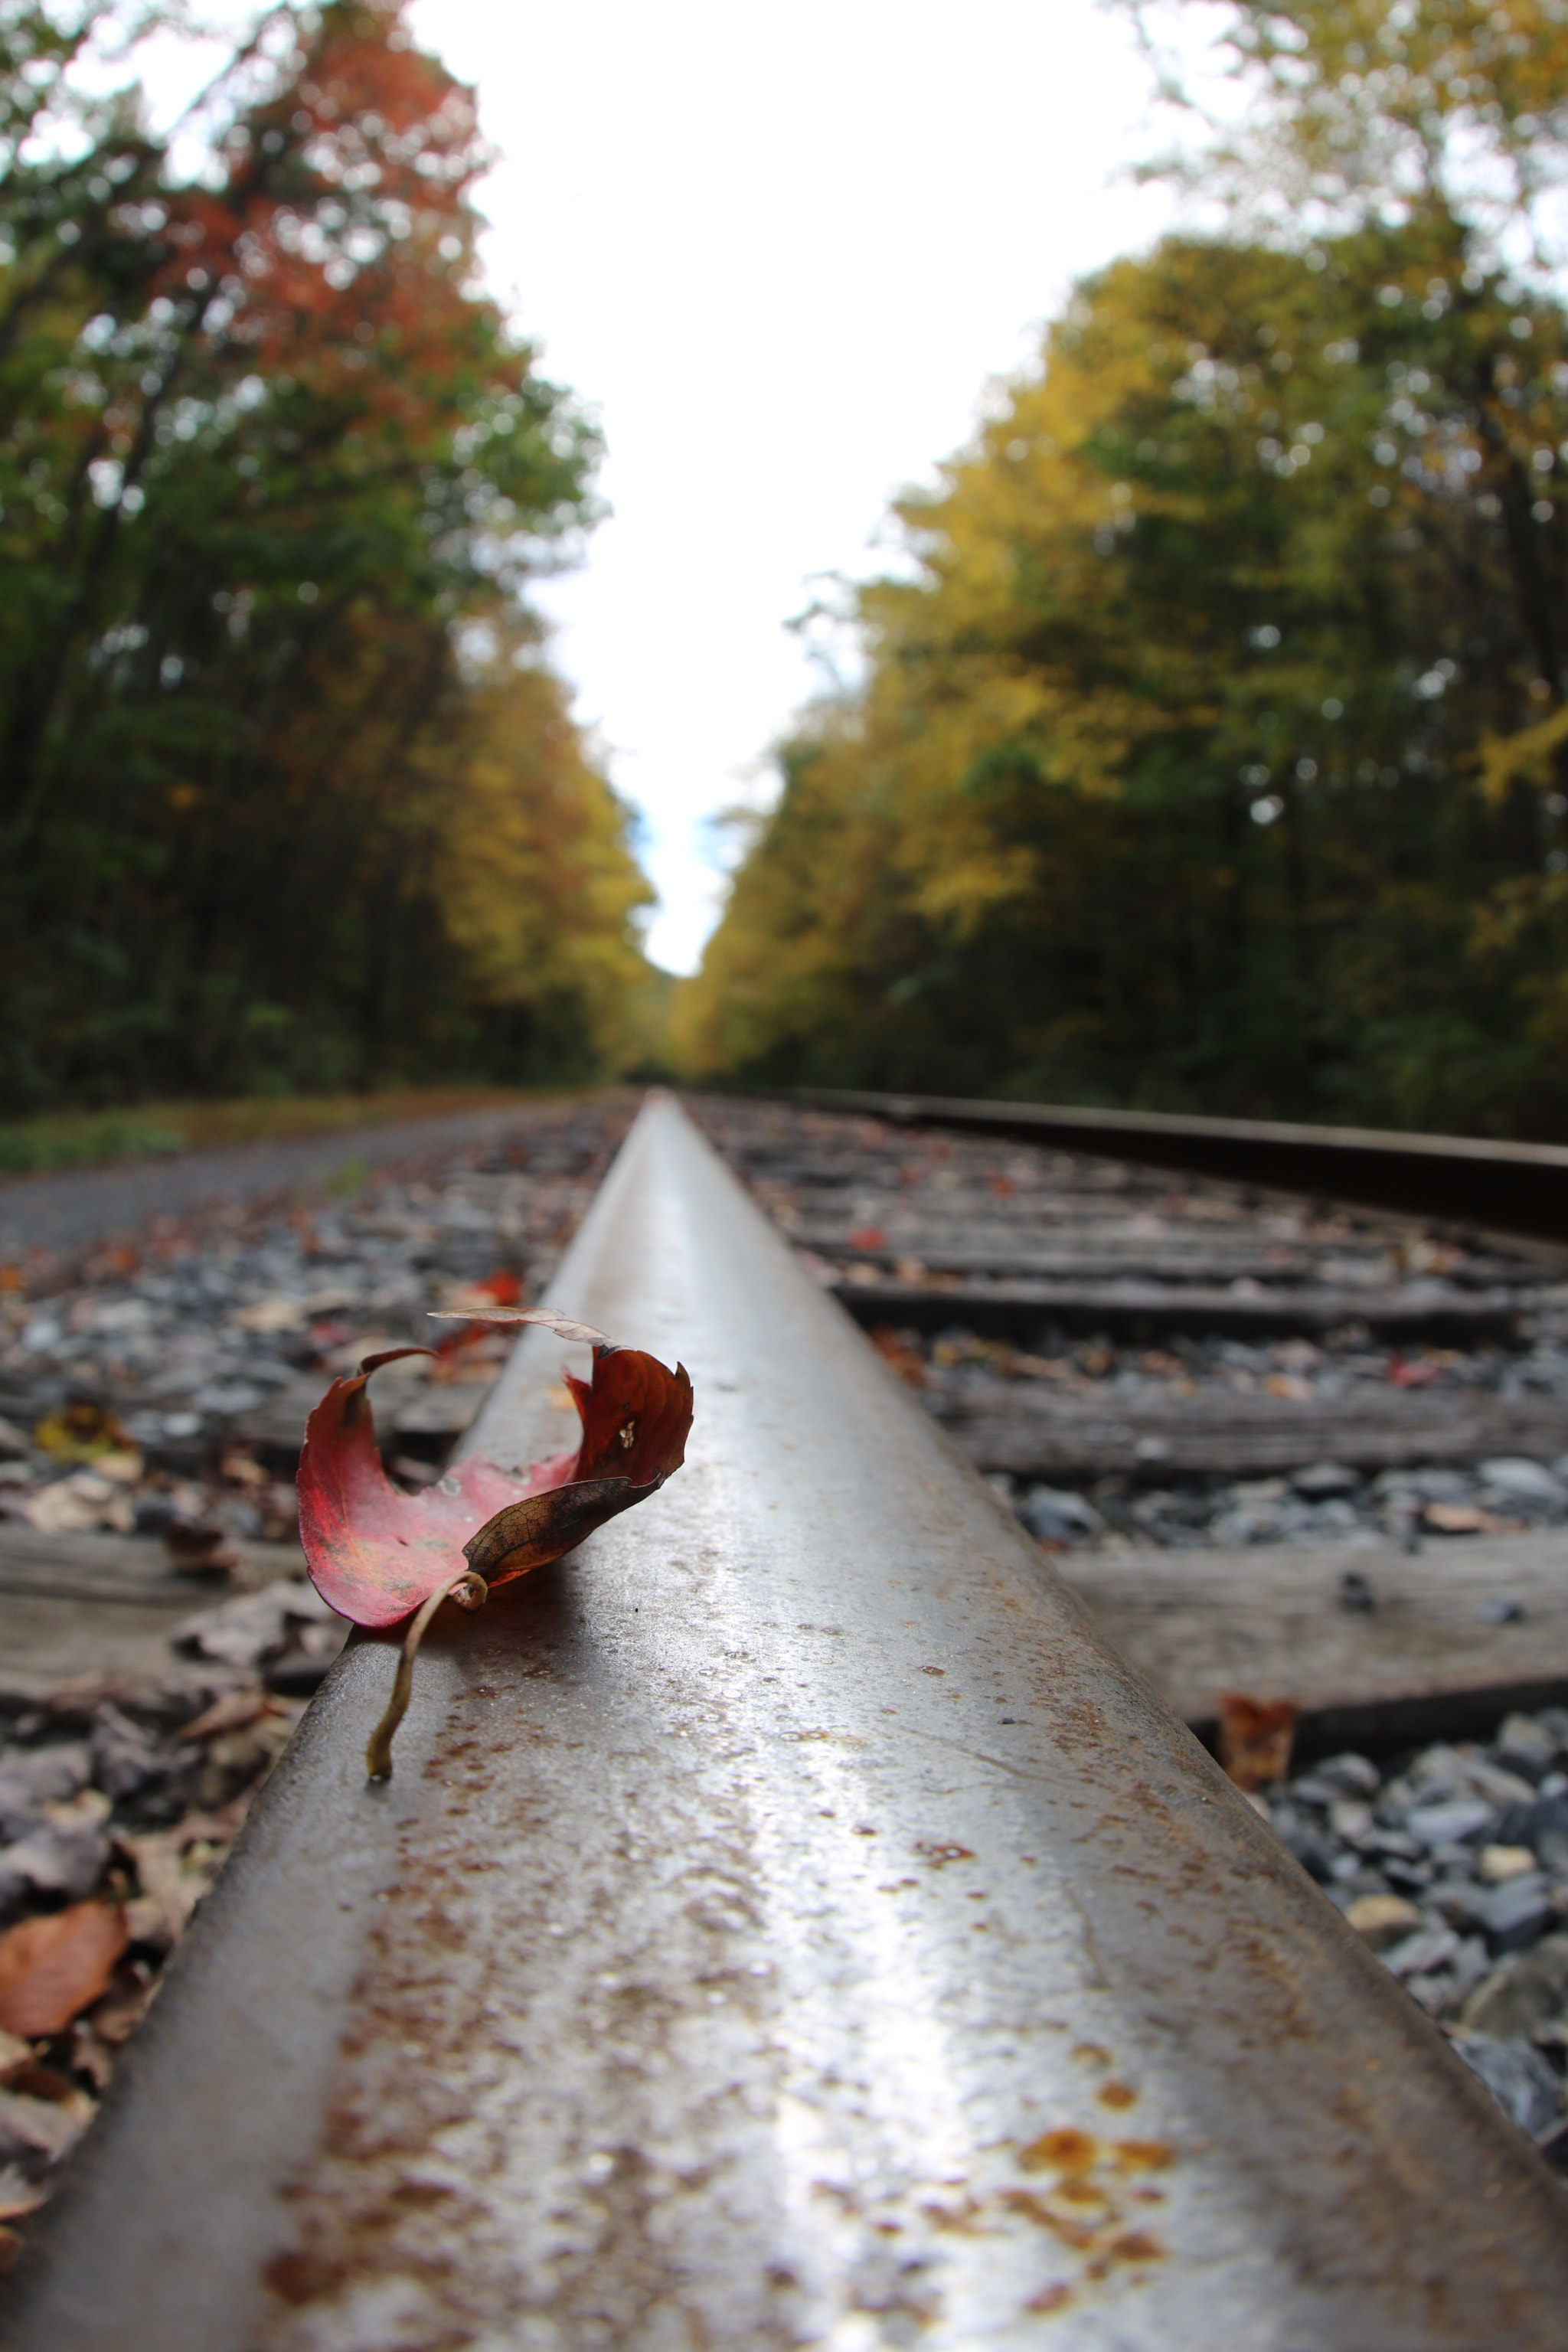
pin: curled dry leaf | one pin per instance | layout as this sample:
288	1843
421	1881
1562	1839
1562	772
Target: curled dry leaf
377	1555
53	1968
565	1327
373	1552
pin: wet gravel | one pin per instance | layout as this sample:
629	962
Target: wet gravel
852	1193
1322	1503
1452	1862
132	1379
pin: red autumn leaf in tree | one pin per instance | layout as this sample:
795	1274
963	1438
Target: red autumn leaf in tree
377	1555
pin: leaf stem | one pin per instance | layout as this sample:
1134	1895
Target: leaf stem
468	1590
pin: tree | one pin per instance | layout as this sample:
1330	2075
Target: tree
265	452
1163	786
1368	112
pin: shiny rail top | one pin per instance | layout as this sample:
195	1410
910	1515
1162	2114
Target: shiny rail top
1521	1188
788	1925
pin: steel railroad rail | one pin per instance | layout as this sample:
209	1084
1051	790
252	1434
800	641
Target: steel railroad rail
790	1924
1511	1187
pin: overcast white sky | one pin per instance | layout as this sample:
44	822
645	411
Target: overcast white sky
779	250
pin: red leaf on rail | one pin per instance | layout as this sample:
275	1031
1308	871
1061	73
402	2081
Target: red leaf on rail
53	1968
373	1552
635	1415
376	1554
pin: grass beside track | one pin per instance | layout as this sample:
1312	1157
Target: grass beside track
90	1139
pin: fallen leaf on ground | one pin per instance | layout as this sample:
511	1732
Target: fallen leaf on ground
377	1555
53	1968
168	1892
899	1355
253	1627
1465	1520
231	1713
81	1433
36	2133
122	2009
1255	1737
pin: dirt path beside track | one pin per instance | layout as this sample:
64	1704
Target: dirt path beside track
62	1211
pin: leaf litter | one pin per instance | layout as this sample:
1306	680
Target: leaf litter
118	1800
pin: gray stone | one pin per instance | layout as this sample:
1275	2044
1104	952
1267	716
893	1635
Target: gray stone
1349	1818
1529	1989
53	1860
1460	1902
1408	1877
227	1397
1395	1845
1525	1747
125	1760
1449	1824
32	1778
1521	2081
1419	1954
1314	1852
1349	1775
1470	1965
1432	1486
1470	1773
1320	1480
1053	1513
1509	1916
1530	1481
1440	1991
1516	1914
1542	1827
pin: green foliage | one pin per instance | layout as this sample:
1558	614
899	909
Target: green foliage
268	459
31	1147
80	1139
1185	772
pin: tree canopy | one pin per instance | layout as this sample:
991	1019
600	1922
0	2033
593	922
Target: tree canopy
290	794
1208	759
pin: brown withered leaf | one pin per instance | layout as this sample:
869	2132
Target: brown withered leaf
565	1327
1256	1737
53	1968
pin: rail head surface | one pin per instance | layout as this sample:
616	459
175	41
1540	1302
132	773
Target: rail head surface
1519	1188
789	1925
